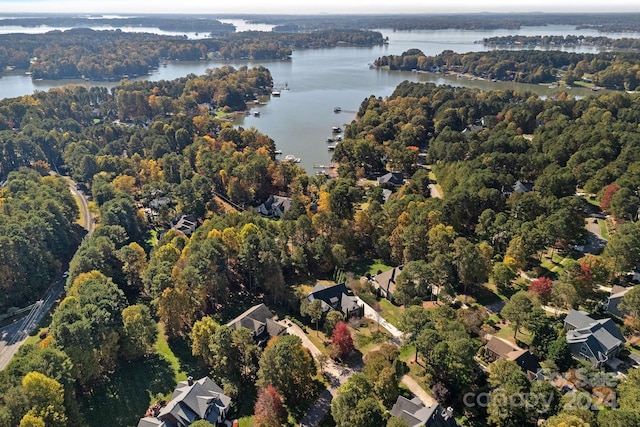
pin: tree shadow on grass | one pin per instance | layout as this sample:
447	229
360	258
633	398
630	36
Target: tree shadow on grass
124	396
181	348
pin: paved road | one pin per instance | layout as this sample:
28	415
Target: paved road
434	191
83	203
337	375
554	310
293	329
370	313
14	335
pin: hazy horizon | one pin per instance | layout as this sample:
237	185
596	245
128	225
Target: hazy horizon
326	6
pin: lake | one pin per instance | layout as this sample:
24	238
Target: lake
317	80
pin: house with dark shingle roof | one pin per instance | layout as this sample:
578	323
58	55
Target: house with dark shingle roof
186	224
497	349
596	341
259	320
522	187
416	414
275	206
391	178
385	282
191	401
336	297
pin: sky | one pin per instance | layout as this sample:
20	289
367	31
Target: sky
313	7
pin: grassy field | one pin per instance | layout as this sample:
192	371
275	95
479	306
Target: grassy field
319	339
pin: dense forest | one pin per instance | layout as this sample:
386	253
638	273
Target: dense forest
605	22
112	55
613	70
208	24
601	42
38	233
188	23
144	142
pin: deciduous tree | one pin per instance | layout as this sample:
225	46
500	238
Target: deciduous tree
517	310
139	331
289	367
46	398
342	339
542	287
269	410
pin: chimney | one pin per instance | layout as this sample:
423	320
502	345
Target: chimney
190	381
447	413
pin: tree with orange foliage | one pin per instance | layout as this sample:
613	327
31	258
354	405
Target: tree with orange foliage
269	410
608	194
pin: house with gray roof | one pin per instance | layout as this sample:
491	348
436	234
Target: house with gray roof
259	320
336	297
275	206
391	178
385	282
191	401
185	224
518	187
611	305
416	414
522	187
596	341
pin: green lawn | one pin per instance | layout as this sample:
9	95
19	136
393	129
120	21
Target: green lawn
556	264
319	339
135	385
162	348
592	201
604	230
390	312
371	266
369	335
246	421
507	333
130	390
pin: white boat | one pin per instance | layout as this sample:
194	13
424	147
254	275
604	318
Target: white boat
275	93
291	158
337	109
331	147
256	113
277	152
336	129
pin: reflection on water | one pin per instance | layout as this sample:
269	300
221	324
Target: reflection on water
317	80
